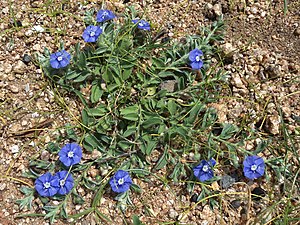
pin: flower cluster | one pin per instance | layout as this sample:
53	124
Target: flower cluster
48	185
254	167
62	182
91	34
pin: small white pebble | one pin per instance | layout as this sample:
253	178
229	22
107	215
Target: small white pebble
14	149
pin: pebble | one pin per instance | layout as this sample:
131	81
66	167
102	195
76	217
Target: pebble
235	204
7	68
19	67
14	89
15	149
297	32
38	28
217	9
45	155
227	181
2	186
173	214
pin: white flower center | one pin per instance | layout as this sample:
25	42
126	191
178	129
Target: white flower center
141	24
92	34
197	58
62	183
70	154
205	168
121	181
47	185
104	14
59	58
253	167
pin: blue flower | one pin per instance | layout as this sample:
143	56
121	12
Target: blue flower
66	183
91	33
142	24
47	185
254	167
204	170
195	58
70	154
104	15
120	182
60	59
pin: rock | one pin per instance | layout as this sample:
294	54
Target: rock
272	124
236	81
217	9
227	52
227	181
272	71
26	59
173	214
169	85
14	149
297	32
19	67
7	68
38	28
45	155
235	204
14	89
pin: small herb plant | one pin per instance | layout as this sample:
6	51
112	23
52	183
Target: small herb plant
144	96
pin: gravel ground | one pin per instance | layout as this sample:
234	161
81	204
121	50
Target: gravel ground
261	49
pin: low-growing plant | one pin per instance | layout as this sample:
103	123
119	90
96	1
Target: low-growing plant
141	96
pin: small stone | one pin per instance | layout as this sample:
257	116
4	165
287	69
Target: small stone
236	80
24	123
217	9
2	186
45	155
173	214
297	32
227	181
194	198
38	28
26	59
169	85
28	33
7	68
272	124
235	204
14	89
19	68
14	149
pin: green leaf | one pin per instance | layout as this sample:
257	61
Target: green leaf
130	113
136	220
126	73
130	130
166	74
99	111
162	162
96	93
25	202
194	112
172	107
228	131
148	145
152	121
90	142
